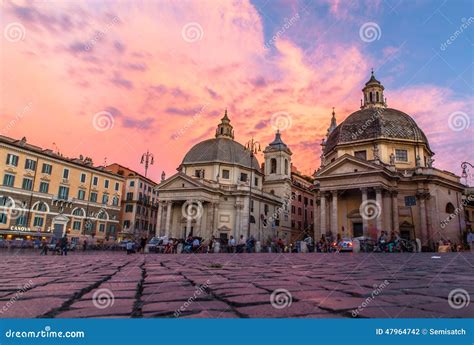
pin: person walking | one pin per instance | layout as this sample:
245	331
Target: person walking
64	244
470	240
44	247
231	247
84	245
143	244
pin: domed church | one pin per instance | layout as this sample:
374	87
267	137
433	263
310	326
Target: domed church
377	173
220	190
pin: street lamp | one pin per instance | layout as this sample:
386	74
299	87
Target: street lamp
252	147
465	169
147	159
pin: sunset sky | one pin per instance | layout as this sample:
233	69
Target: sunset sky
115	78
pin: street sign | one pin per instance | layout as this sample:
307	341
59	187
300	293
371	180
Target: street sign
410	200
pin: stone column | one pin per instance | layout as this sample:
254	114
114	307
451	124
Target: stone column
365	223
168	218
323	214
334	227
396	226
423	225
387	210
199	222
158	219
189	222
316	220
379	219
236	221
215	218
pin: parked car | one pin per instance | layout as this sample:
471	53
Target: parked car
154	244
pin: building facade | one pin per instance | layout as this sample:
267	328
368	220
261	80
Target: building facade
139	203
44	194
220	190
377	173
302	205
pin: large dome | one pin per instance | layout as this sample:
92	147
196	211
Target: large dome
374	123
220	150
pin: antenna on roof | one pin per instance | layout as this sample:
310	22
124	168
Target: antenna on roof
56	148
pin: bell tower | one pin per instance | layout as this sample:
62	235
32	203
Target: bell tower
373	94
277	157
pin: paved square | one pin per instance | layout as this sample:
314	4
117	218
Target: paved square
237	285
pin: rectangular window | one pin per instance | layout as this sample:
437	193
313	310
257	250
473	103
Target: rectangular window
141	184
101	227
106	183
21	221
126	224
299	211
76	225
81	194
225	174
12	159
251	205
65	173
27	184
361	154
38	221
93	197
83	178
265	209
129	196
44	187
401	155
9	180
47	168
105	199
3	218
256	182
117	186
293	209
132	183
95	180
30	164
63	192
199	173
243	177
115	201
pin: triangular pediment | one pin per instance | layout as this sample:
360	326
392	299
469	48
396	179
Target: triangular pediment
179	181
348	164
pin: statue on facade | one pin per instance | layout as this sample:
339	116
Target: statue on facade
430	162
392	159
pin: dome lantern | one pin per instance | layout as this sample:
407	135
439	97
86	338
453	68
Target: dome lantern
373	94
225	129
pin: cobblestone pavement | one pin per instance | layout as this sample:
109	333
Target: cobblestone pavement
237	285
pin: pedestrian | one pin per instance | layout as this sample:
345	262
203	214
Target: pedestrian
143	243
241	244
84	245
129	247
44	248
231	246
64	244
470	240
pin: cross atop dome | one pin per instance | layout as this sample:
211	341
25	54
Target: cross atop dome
373	94
333	124
225	129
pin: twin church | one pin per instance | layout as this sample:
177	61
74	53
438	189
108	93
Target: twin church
377	173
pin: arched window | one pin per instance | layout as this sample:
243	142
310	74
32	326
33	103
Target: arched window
273	166
286	166
102	215
377	94
40	206
371	97
272	192
79	212
449	208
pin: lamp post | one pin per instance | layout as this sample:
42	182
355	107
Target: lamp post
147	159
252	147
465	169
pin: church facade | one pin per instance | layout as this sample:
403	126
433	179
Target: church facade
377	173
220	190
